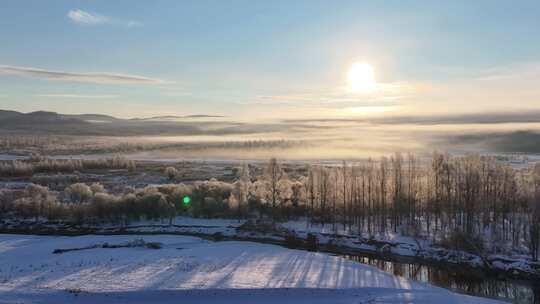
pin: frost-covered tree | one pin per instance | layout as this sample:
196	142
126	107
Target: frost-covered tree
78	193
273	175
97	188
171	173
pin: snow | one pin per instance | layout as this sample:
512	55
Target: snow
347	240
193	270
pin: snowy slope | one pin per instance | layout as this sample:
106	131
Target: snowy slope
192	270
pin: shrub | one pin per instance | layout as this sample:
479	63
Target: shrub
37	191
154	245
292	241
97	188
218	236
459	240
312	243
78	193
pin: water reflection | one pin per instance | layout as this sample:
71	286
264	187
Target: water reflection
469	281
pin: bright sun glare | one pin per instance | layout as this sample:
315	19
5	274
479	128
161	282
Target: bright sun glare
361	78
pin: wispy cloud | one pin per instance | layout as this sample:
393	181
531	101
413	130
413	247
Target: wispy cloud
89	18
520	72
102	77
494	73
82	17
386	94
77	96
321	99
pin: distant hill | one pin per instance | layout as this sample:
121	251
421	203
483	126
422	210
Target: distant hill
43	122
13	118
4	114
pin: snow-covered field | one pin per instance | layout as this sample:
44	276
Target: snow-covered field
339	240
193	270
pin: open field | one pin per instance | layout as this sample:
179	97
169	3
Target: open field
192	270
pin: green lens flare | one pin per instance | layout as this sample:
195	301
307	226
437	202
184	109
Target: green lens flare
186	200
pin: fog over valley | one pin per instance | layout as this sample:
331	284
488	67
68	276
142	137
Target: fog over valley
206	136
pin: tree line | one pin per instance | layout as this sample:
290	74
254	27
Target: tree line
470	199
18	168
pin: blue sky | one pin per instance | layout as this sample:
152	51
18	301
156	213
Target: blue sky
268	58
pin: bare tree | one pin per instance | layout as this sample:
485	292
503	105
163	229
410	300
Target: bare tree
274	174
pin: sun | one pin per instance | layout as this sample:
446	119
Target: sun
361	78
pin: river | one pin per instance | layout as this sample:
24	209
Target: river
467	281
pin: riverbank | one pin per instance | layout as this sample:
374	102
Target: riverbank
294	235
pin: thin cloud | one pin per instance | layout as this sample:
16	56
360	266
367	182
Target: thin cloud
531	116
101	78
519	72
82	17
89	18
133	23
385	93
494	73
77	96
